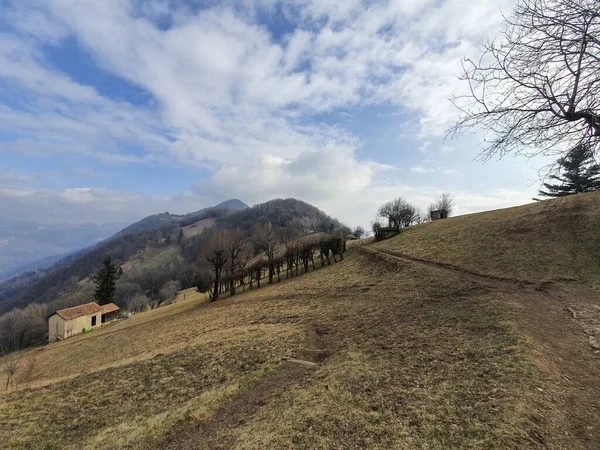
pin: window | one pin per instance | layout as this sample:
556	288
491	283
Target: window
93	321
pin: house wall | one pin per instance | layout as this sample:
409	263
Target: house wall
56	328
63	329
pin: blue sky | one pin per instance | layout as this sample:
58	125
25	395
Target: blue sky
113	110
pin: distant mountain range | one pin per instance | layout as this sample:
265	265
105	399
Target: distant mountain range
29	245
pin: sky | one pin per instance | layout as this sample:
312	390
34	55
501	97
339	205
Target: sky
116	109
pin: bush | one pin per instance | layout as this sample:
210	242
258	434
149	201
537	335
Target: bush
125	292
137	303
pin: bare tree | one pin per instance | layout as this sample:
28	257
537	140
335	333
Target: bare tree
138	303
358	232
125	292
215	252
536	89
10	363
266	239
169	291
238	252
398	212
376	226
445	203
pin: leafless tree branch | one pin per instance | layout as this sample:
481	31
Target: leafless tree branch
536	90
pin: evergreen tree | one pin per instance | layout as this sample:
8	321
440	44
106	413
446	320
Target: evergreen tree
579	173
106	282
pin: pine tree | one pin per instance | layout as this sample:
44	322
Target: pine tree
579	173
106	282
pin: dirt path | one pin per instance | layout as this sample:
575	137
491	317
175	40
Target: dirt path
569	399
213	433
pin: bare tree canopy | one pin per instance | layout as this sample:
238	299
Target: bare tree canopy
266	240
536	90
444	202
359	232
216	254
399	213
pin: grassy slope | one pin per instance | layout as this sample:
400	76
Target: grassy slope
545	241
153	257
413	357
197	228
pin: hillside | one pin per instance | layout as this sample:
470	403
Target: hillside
155	235
48	284
379	350
166	220
545	241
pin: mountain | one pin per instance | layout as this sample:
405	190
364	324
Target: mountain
28	245
281	213
233	204
166	219
153	246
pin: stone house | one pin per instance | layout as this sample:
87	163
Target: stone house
388	232
71	321
439	214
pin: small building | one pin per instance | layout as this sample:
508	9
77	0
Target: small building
71	321
386	233
439	214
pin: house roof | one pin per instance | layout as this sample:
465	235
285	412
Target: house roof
109	307
77	311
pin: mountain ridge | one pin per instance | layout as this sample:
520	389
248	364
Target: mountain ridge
157	231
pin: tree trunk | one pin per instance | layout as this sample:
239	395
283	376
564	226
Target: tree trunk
216	286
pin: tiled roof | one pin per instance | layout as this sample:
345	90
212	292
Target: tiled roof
77	311
109	307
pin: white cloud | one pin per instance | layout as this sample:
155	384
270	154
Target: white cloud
226	95
420	169
83	205
77	195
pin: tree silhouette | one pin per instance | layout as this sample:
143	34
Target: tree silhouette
445	203
216	254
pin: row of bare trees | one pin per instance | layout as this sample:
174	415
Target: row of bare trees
239	260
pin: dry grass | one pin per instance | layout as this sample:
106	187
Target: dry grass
410	355
197	228
152	257
413	358
544	241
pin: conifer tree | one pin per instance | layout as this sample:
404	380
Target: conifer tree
579	173
106	282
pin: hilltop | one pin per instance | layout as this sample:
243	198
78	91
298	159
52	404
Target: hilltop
431	339
157	221
546	241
